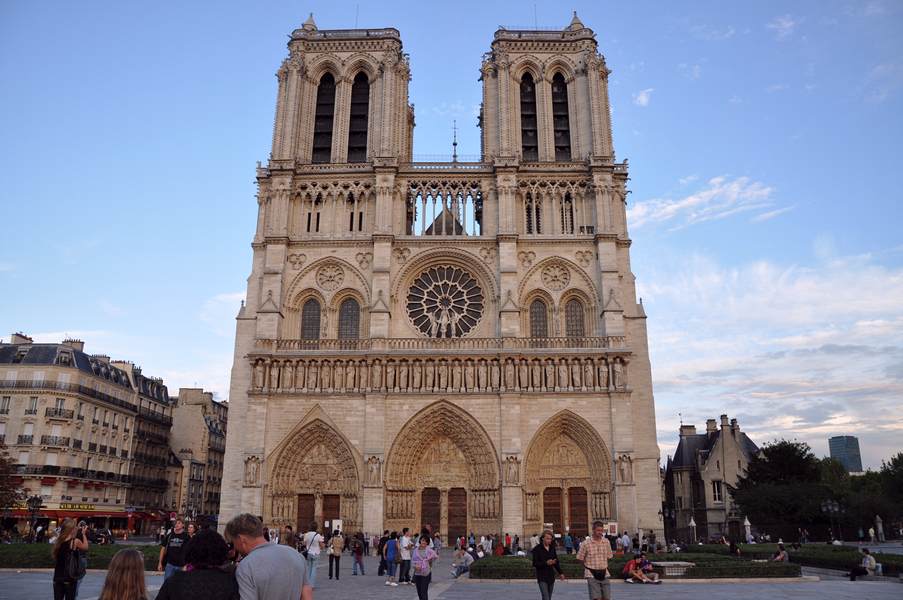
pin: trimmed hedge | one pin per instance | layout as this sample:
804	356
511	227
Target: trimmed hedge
707	566
38	556
812	555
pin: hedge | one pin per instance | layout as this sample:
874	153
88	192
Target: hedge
707	566
38	556
812	555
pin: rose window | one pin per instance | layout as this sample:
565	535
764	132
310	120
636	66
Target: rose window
445	302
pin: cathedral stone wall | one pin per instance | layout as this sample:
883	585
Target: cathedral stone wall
452	343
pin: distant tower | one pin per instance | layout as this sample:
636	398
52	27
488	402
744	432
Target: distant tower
845	448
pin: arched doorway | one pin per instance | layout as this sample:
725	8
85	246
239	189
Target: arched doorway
314	477
443	470
568	476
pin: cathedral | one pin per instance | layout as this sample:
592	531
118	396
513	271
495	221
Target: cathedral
447	343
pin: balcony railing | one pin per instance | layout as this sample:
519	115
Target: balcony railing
2	438
60	413
31	411
25	439
29	384
54	440
92	446
76	444
614	342
154	416
4	411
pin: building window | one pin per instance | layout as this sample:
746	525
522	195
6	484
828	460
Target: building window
533	210
529	140
349	319
323	117
4	405
716	492
357	126
539	319
561	125
567	214
60	403
573	318
310	320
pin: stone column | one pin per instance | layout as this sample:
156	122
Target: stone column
443	514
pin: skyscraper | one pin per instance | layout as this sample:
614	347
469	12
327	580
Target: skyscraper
845	448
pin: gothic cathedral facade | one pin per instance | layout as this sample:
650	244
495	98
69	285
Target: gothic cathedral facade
452	343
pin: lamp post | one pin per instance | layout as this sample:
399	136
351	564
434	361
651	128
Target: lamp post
832	509
692	525
748	527
34	505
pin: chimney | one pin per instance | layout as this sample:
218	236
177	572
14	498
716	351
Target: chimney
74	344
710	426
20	338
686	430
735	427
724	422
102	358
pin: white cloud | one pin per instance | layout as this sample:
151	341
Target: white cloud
709	33
882	81
687	179
767	216
218	313
777	87
689	71
783	26
643	97
874	8
445	109
721	198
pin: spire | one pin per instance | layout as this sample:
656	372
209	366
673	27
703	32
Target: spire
309	24
454	141
576	23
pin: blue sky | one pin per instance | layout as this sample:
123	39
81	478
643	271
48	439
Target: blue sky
763	139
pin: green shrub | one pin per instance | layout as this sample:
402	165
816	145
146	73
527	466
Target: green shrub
38	556
812	555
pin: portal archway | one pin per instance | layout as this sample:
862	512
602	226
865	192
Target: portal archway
443	467
568	476
314	476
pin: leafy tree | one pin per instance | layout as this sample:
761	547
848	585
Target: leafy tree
10	493
892	480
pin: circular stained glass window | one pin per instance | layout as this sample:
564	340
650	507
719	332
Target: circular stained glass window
445	302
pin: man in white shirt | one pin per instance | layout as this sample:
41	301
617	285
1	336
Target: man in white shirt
626	543
405	545
313	543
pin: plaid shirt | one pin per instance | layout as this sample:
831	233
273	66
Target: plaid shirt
595	555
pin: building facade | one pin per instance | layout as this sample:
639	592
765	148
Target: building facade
199	441
845	448
442	342
73	424
696	481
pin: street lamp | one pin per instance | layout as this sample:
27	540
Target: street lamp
832	509
34	505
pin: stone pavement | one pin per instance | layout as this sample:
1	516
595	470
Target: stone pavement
37	586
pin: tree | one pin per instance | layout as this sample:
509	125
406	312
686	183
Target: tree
10	492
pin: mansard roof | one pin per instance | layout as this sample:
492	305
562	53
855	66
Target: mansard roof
62	355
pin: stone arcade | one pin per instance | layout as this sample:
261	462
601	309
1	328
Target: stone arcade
453	343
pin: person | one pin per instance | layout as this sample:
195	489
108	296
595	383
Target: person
568	543
867	567
191	529
780	555
161	533
648	569
267	571
545	562
336	546
172	550
634	572
380	549
125	577
207	554
734	549
422	559
498	548
594	554
405	545
463	560
313	544
288	538
82	554
69	542
358	549
390	552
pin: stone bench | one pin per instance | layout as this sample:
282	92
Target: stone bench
673	568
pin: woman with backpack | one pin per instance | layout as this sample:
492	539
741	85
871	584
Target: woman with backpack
68	567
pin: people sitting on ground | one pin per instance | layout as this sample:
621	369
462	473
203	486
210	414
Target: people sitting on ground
780	555
634	571
866	567
648	569
462	562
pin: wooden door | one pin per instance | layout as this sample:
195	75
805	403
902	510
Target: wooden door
331	508
578	512
551	508
457	513
305	512
430	511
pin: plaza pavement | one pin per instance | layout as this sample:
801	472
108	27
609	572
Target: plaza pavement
37	586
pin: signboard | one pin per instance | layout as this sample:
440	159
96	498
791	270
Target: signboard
71	506
612	528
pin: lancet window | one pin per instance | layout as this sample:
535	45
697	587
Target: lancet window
357	126
574	319
567	214
323	120
561	123
539	319
310	320
533	214
528	126
349	319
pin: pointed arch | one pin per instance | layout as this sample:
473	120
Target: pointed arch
592	469
324	117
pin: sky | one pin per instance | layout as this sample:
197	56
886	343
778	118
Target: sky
764	148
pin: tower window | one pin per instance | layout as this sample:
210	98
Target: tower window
574	318
533	209
539	319
567	214
323	117
357	127
561	124
310	320
529	140
349	319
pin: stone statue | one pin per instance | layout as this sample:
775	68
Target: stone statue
274	375
376	376
509	375
618	374
443	376
482	375
536	375
349	375
416	375
602	369
562	375
312	376
495	374
457	376
364	377
523	375
339	377
390	376
469	382
288	375
588	378
549	369
403	376
625	468
429	376
258	374
576	372
300	379
511	470
326	376
373	471
252	467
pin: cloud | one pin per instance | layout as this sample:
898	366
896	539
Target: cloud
882	81
709	33
721	198
690	71
643	97
735	99
446	109
218	313
874	8
687	179
783	26
767	216
777	87
794	351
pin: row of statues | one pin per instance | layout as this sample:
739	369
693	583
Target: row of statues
442	375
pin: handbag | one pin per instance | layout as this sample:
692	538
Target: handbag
598	574
313	538
73	567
